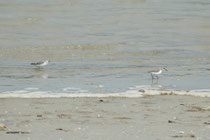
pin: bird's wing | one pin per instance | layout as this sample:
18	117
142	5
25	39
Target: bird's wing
37	63
152	71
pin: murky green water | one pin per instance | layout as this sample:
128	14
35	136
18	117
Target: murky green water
103	45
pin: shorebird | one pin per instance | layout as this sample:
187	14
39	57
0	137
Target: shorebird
155	73
40	63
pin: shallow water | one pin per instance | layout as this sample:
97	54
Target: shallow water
103	46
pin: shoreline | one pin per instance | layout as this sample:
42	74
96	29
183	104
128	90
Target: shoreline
134	93
159	117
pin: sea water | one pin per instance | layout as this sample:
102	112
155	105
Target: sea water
103	46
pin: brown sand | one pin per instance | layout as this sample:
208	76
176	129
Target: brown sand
162	117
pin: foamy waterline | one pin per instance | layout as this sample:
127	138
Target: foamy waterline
128	94
66	95
198	93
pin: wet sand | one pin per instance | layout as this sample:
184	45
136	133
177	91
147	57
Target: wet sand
161	117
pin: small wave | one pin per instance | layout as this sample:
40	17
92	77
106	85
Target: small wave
197	93
161	90
74	90
133	92
63	95
31	88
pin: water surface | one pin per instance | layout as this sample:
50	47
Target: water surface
103	46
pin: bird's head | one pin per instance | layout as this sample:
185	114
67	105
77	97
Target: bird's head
165	69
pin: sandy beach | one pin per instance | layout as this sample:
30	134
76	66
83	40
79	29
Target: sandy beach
98	83
161	117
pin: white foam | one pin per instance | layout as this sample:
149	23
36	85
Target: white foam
61	95
197	93
133	92
74	90
31	88
161	90
16	92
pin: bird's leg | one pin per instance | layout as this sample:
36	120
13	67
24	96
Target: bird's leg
152	76
157	78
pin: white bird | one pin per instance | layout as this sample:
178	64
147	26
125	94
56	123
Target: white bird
155	73
40	63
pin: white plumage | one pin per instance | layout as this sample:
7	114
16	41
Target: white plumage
155	73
